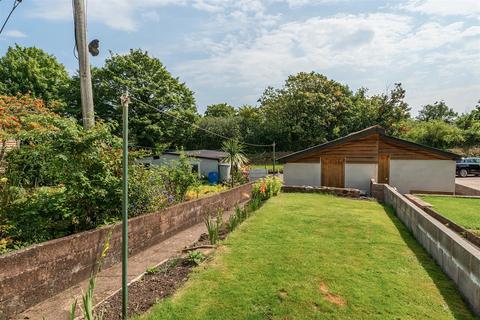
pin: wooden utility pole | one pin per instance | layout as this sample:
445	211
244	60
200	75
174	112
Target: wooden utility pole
80	24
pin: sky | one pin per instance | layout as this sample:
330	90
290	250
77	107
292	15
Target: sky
231	50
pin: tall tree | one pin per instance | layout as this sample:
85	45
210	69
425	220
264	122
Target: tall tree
32	71
162	109
220	110
307	110
204	139
435	133
437	111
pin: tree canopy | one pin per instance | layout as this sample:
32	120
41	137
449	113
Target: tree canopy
220	110
162	108
34	72
437	111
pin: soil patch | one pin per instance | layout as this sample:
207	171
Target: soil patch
157	283
330	297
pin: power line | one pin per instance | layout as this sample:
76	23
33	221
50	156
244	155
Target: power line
197	126
15	5
185	121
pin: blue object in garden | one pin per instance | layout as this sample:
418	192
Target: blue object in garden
213	177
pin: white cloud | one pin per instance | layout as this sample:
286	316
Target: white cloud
126	14
14	34
389	46
469	8
116	14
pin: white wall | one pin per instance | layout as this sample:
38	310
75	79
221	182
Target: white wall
207	166
424	175
204	165
302	174
358	175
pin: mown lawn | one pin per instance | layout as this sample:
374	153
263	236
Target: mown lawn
463	211
278	167
307	256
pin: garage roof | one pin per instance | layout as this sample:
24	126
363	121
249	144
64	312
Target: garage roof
361	134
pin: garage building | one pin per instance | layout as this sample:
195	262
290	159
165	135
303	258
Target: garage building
352	161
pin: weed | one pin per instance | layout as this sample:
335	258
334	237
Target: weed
213	228
87	298
152	270
233	222
195	257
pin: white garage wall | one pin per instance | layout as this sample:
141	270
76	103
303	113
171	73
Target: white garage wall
302	174
358	175
424	175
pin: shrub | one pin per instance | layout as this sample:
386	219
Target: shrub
177	178
266	188
146	190
195	257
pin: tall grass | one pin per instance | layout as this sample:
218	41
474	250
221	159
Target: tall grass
88	297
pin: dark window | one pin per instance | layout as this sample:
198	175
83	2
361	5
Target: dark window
195	168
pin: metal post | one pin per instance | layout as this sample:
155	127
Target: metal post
274	172
80	22
125	99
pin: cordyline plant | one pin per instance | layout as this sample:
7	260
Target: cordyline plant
235	157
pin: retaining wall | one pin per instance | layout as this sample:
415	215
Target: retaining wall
33	274
459	259
461	189
341	192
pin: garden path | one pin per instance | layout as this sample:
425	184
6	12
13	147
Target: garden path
109	280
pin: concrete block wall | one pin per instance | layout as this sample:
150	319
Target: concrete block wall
459	259
33	274
463	190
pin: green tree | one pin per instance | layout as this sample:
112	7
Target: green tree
251	124
167	124
435	133
203	137
388	110
437	111
309	109
236	157
469	122
220	110
32	71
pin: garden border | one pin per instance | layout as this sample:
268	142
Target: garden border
31	275
340	192
457	257
447	222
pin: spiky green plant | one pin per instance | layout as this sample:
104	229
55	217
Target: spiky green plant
87	298
213	229
235	157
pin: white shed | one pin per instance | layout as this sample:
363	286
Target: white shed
203	161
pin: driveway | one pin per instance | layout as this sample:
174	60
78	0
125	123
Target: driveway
472	182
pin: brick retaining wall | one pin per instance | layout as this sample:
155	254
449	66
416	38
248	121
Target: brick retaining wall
33	274
458	258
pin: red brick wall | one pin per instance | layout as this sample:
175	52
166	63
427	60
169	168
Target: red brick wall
33	274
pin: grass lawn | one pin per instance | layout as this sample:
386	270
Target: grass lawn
307	256
463	211
278	167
